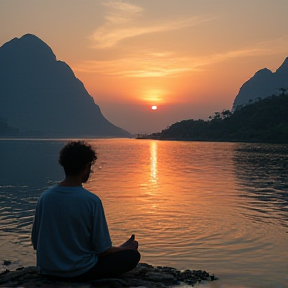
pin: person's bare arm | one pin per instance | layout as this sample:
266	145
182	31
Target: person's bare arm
129	244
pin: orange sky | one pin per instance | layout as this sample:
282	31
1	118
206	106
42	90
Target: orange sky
188	57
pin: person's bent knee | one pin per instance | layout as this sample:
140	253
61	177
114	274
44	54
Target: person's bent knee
138	256
135	257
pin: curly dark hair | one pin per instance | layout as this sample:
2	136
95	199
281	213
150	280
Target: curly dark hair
75	155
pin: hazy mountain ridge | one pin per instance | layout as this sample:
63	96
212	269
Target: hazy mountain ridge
263	84
39	92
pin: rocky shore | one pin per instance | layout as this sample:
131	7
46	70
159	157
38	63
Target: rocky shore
143	275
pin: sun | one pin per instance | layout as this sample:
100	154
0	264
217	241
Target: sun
154	107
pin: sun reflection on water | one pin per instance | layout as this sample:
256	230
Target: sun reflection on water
153	162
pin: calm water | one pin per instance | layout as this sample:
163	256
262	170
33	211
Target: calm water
221	207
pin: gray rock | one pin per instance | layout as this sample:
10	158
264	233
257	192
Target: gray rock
143	275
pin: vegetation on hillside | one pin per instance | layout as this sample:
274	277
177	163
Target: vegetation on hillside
8	131
5	129
265	120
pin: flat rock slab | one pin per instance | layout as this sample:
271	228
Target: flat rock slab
143	275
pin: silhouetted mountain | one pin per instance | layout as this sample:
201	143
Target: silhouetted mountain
263	84
40	93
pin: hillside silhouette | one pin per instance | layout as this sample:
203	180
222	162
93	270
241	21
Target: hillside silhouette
40	93
265	120
263	84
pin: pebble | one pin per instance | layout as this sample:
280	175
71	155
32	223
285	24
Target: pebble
7	262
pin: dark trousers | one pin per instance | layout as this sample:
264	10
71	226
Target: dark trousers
112	265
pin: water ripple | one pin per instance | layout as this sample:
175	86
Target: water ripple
220	206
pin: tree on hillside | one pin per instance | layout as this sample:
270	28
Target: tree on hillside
226	114
283	90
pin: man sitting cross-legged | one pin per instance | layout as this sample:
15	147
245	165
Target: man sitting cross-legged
70	232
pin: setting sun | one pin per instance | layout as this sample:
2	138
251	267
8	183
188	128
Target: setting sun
154	107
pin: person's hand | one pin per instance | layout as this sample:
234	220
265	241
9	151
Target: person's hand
130	243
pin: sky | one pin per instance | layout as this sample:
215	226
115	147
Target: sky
187	57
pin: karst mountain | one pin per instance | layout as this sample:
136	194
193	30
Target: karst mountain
40	93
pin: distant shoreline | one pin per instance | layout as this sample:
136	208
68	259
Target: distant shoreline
142	137
61	138
148	137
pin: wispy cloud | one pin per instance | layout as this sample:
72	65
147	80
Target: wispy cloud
122	6
123	20
165	64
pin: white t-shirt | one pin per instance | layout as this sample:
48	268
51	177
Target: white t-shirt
69	231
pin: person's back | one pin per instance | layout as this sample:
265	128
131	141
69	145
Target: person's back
70	232
74	214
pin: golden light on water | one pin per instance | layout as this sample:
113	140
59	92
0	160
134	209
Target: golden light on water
153	162
190	205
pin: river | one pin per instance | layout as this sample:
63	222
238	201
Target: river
219	207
